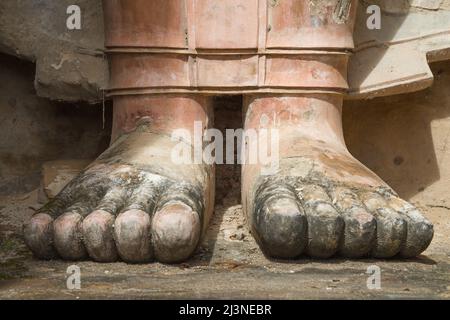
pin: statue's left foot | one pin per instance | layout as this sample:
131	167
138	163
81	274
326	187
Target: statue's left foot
322	201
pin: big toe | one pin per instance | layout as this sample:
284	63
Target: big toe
176	232
281	227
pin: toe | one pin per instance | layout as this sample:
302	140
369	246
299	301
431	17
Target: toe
68	236
38	234
113	200
391	228
144	197
176	230
97	229
419	230
360	225
325	225
132	236
279	223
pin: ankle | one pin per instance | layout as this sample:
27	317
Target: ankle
164	113
308	116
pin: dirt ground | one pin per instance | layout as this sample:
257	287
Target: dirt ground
228	265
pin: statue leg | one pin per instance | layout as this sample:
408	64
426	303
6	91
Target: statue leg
133	203
322	201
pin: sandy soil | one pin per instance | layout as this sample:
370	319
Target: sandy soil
227	265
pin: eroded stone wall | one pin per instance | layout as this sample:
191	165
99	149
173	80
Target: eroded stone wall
405	139
34	130
70	64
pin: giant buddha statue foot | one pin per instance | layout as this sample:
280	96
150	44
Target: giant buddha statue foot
322	201
133	203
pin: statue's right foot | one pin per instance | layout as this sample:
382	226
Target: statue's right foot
132	203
